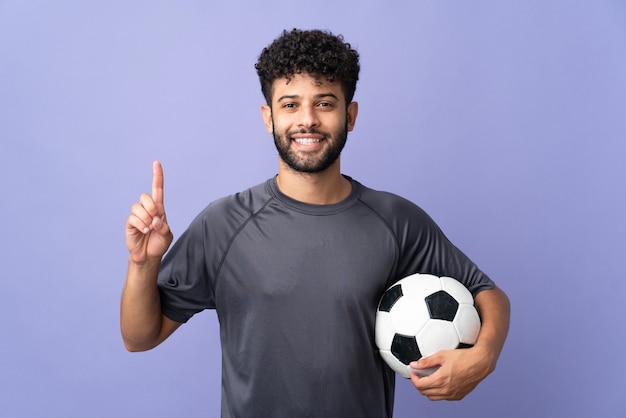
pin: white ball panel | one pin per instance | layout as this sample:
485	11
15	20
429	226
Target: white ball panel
395	364
437	335
409	315
457	290
467	324
420	285
384	330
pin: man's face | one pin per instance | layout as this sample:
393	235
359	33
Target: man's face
309	121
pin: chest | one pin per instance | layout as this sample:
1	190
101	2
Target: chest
344	260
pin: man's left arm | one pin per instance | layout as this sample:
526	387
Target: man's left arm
461	371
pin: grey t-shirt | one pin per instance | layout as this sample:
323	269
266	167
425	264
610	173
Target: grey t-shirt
296	286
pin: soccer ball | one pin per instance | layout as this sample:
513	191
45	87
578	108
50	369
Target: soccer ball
420	315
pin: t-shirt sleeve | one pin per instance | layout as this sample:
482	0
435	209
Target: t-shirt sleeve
184	282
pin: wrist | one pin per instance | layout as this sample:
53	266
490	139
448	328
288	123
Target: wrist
488	355
148	264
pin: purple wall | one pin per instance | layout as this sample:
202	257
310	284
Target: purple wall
504	120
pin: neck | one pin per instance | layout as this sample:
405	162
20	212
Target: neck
323	188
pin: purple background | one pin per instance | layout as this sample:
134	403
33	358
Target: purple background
505	120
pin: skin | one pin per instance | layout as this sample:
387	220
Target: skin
148	237
308	118
305	103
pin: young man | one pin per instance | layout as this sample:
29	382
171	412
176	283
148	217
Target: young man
295	266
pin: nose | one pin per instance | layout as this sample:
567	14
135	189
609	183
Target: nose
308	117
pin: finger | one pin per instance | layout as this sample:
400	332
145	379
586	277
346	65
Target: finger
149	205
135	223
421	381
139	218
157	183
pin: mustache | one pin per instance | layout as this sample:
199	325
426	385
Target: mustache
308	131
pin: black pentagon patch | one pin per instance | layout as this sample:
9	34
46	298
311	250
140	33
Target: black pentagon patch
465	345
405	348
441	305
390	297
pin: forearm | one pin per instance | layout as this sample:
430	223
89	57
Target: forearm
494	308
140	317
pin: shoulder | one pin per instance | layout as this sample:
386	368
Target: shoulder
403	217
236	208
246	201
388	204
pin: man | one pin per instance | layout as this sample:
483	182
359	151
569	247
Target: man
295	266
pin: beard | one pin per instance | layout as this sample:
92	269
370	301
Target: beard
312	162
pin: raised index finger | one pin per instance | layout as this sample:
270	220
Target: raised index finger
157	184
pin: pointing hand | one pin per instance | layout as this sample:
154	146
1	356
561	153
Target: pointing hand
148	235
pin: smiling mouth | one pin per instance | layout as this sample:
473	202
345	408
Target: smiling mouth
307	141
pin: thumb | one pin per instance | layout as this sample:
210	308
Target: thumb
157	223
424	367
160	226
426	362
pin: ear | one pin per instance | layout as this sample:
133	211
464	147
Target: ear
353	111
266	112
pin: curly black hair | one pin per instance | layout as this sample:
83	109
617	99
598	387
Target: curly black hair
315	52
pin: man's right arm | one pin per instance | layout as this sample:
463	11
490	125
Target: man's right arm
148	237
142	324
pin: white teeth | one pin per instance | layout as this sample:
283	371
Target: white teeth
307	141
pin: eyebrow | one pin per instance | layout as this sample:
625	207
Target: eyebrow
317	96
